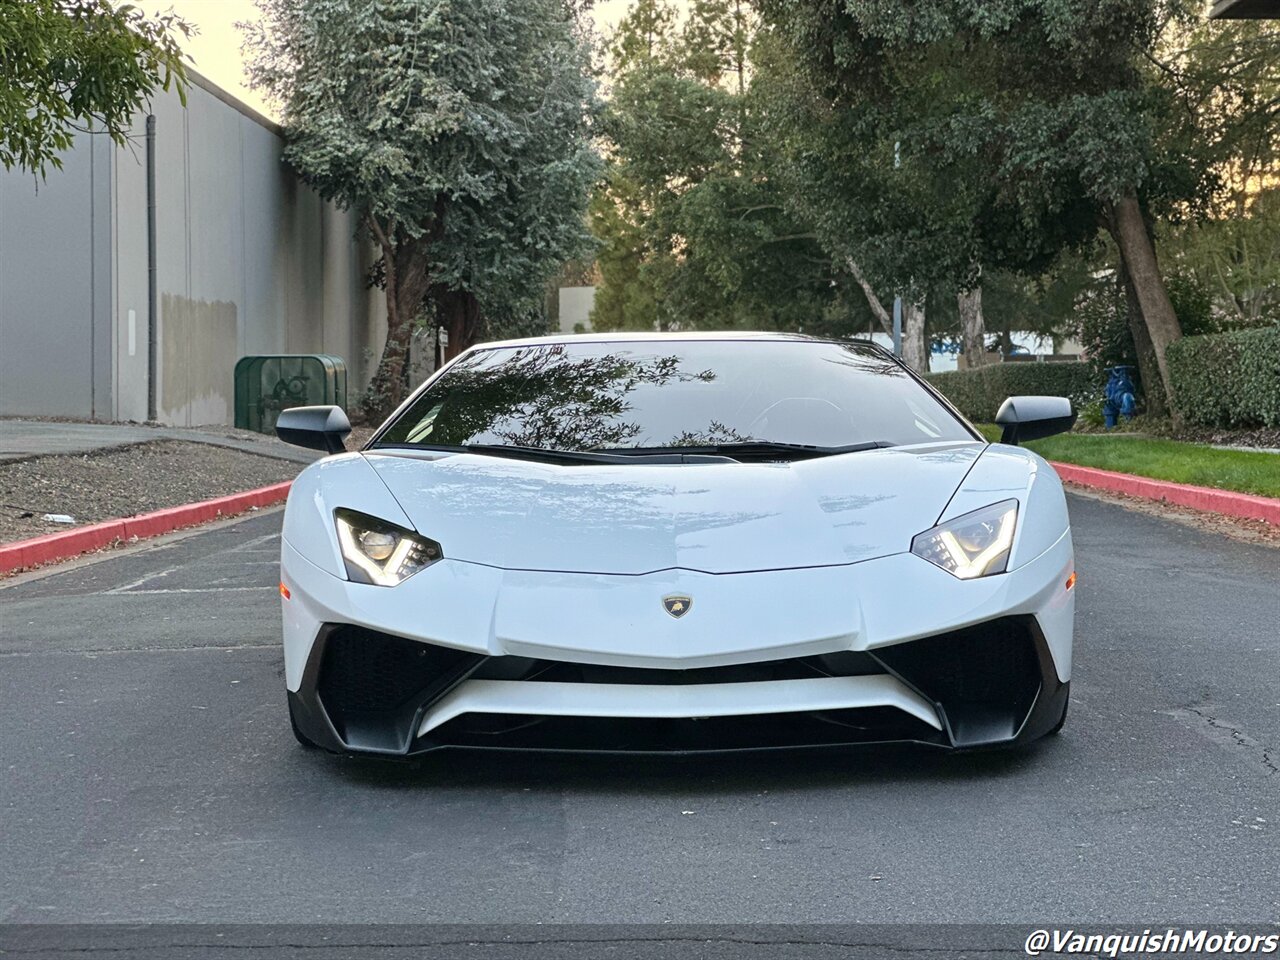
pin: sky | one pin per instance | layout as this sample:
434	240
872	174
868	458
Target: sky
215	50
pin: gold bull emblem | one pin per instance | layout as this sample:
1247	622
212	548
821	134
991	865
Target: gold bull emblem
677	606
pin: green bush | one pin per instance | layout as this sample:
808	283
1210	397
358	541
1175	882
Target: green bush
1093	415
979	393
1228	379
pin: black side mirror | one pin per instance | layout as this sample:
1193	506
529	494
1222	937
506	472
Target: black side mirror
316	428
1030	418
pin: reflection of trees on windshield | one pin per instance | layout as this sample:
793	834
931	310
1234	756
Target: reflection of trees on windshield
715	433
866	362
585	396
540	397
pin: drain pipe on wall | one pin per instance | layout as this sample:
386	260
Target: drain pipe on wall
153	324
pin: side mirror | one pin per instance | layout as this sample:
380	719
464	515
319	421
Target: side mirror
1030	418
316	428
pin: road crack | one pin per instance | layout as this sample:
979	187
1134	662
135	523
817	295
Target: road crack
1205	716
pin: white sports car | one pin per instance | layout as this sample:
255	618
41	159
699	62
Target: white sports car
676	543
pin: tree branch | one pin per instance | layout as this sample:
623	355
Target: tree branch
877	307
380	236
791	236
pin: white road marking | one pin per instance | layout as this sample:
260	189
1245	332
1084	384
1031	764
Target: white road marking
135	593
129	587
141	580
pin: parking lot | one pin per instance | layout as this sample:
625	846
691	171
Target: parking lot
150	774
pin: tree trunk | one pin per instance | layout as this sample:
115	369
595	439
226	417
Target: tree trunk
915	346
973	327
386	389
877	308
1129	229
459	313
405	262
1148	369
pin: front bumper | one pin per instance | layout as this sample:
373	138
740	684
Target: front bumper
987	685
885	650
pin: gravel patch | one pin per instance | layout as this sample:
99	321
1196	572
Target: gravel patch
1267	438
359	437
1244	438
123	481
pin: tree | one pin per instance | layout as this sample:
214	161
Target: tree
76	66
458	130
1225	78
885	155
1056	103
1237	260
693	227
644	35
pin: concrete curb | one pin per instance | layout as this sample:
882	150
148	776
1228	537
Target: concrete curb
1244	505
71	543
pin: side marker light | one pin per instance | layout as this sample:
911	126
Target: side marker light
284	591
1071	580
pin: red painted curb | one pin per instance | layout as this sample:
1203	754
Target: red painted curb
1244	505
71	543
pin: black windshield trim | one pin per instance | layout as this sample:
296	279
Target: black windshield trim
515	452
759	448
713	453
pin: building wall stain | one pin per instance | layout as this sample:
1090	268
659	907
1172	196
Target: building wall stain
198	357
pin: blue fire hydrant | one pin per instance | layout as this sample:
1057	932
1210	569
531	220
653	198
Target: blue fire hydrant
1120	399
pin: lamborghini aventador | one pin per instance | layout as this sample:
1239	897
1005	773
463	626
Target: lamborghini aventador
676	542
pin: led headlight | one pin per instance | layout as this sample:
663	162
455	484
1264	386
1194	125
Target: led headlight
379	552
973	545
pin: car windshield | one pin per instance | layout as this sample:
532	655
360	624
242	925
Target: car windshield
674	394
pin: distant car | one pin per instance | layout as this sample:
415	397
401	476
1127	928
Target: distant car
676	543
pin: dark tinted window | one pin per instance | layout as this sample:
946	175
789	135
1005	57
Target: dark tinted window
676	393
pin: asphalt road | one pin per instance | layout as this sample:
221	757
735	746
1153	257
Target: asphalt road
149	775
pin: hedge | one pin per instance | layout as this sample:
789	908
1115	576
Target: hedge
978	393
1228	379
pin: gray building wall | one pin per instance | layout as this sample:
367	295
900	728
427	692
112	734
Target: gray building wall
248	261
55	282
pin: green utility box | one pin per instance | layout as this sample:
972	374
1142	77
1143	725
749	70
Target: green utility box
265	385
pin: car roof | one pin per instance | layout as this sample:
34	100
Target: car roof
690	335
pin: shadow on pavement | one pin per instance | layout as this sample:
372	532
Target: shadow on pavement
726	773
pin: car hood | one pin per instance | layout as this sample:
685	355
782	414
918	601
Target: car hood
710	517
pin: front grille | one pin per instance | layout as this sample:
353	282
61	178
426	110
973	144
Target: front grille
372	685
985	678
844	664
645	735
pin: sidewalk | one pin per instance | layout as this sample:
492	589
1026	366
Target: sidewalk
20	439
68	487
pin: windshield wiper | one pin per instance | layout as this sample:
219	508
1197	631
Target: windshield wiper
543	454
761	450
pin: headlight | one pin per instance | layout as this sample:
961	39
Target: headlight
974	545
379	552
